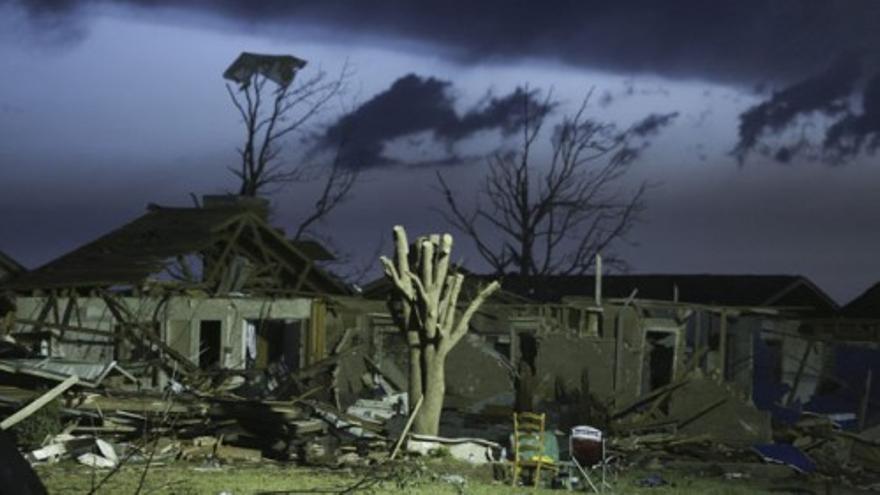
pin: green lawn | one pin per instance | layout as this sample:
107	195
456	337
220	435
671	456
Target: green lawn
415	478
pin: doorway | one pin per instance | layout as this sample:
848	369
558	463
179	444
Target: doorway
275	342
658	365
210	343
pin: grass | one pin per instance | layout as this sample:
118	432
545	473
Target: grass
426	478
36	427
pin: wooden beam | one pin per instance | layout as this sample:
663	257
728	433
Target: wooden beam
722	348
118	310
37	404
284	265
215	271
701	412
293	249
647	397
866	400
315	348
44	312
258	240
67	328
266	260
799	373
302	276
406	427
618	351
70	308
698	340
55	312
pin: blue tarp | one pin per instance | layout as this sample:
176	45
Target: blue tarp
789	455
848	376
767	390
850	373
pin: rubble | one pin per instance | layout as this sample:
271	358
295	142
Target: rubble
290	421
694	422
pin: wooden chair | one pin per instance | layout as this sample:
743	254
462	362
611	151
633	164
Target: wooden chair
528	446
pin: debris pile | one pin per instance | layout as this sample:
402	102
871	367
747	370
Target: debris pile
106	419
692	419
229	416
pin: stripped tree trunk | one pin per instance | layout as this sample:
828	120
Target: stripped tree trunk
424	304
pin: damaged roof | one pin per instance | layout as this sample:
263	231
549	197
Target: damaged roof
143	247
722	290
866	305
8	266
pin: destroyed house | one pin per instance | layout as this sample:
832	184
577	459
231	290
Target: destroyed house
180	292
852	388
701	321
777	340
743	329
615	340
778	291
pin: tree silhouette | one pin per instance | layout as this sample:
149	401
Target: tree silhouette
553	218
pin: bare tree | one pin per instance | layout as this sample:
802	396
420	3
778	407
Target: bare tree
553	218
424	304
274	106
338	183
271	112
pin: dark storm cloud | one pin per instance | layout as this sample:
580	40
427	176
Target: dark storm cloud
505	113
857	131
825	93
415	104
828	95
753	43
652	124
52	22
42	9
745	40
412	104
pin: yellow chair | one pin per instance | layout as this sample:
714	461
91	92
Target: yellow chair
528	446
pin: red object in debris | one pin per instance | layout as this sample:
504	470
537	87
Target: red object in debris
586	445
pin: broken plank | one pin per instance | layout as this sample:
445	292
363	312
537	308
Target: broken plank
406	427
37	404
722	348
701	412
648	397
866	400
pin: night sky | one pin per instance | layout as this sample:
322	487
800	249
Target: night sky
767	168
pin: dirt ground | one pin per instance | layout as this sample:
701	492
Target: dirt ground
433	477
